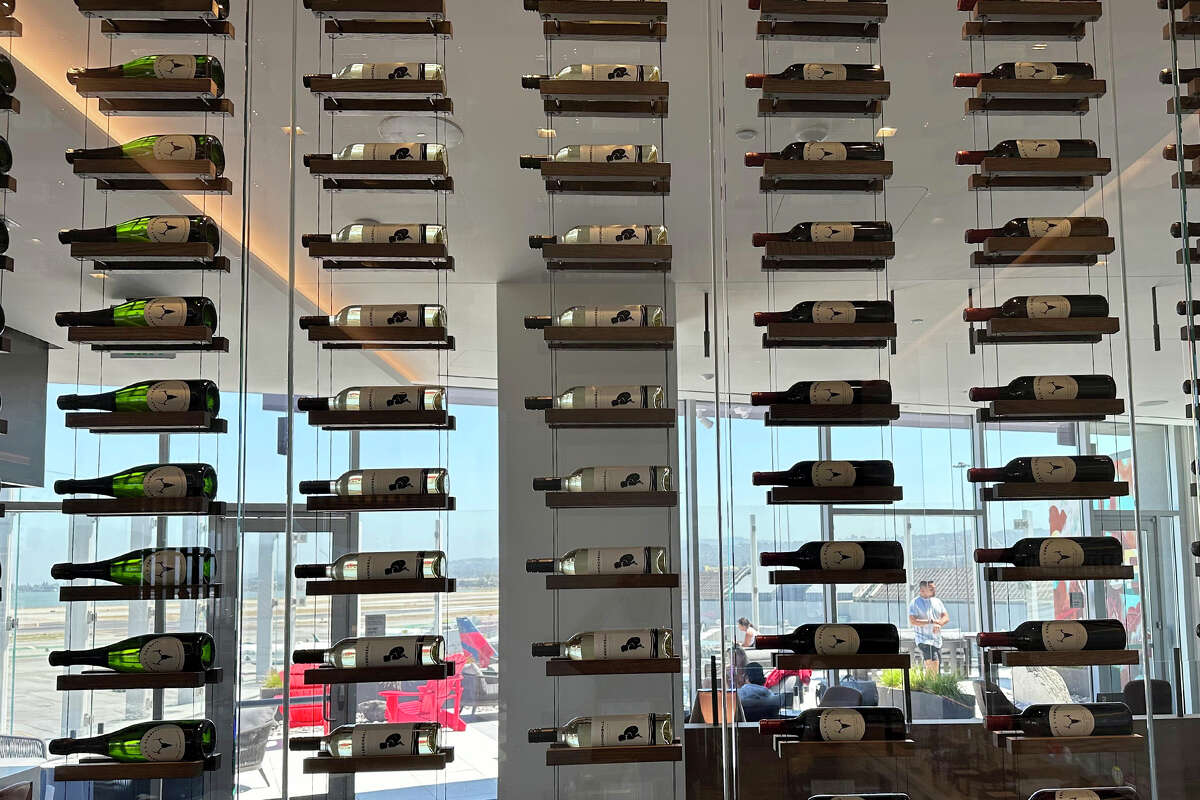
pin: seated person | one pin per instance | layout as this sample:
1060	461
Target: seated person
758	702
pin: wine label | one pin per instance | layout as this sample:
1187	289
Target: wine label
615	561
836	312
168	396
384	739
175	147
389	651
830	393
168	230
1071	720
836	640
394	70
1064	635
1047	306
398	233
1049	227
1076	794
407	315
1038	148
165	312
824	151
1035	70
842	555
175	67
163	743
165	568
401	564
1060	552
595	317
391	151
612	397
611	72
620	479
165	481
613	234
622	729
608	152
833	473
162	654
824	72
832	232
392	481
624	645
841	725
1052	469
1055	387
390	398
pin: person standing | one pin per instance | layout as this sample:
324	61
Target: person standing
927	615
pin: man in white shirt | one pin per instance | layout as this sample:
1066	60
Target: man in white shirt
928	616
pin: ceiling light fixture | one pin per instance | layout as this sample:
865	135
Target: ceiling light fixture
745	134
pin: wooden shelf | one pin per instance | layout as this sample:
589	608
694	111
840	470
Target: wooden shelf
9	104
820	11
1184	31
336	28
815	334
849	661
1049	410
146	422
189	185
383	502
330	765
978	30
554	29
363	107
648	337
322	588
612	109
608	257
372	88
162	339
792	176
398	255
816	253
1025	574
804	414
604	98
145	507
833	495
324	676
376	9
565	667
792	577
382	420
378	175
147	88
1070	658
10	27
1030	247
1024	174
1078	490
104	769
827	91
1022	108
599	10
150	255
1072	330
417	185
617	178
785	31
1036	89
203	173
790	748
612	499
382	338
1035	11
1058	745
113	28
981	260
124	107
833	109
583	418
88	681
107	592
563	756
627	581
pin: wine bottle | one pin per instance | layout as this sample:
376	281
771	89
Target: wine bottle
596	72
392	70
827	393
838	555
415	315
632	397
6	156
160	740
874	231
165	229
1097	793
1041	227
1167	75
608	731
416	397
8	74
377	651
1190	151
835	640
819	72
821	151
830	473
595	153
373	566
850	724
604	561
1047	469
392	151
1186	308
1042	306
1066	719
619	645
1050	387
831	312
390	233
147	312
380	482
878	796
1029	71
600	317
164	147
609	479
1057	551
149	566
169	67
1031	148
1060	635
3	235
150	652
148	480
150	397
605	234
373	739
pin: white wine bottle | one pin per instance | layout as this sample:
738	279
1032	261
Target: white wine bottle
374	739
165	740
605	234
610	645
377	651
391	151
609	479
150	652
379	398
604	561
595	154
376	482
413	315
392	565
392	233
600	397
146	567
596	72
600	317
608	731
392	70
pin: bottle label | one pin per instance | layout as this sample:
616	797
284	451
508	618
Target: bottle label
175	147
1063	635
397	233
610	72
390	398
1075	794
614	234
833	473
595	317
621	729
1047	306
388	651
836	640
830	393
1049	227
824	72
164	568
161	654
383	316
624	645
1038	148
384	739
400	564
163	743
612	397
1035	70
832	232
608	152
837	312
165	312
1055	387
394	70
824	151
175	67
1052	469
621	479
842	555
388	151
1059	552
1071	720
392	481
168	396
841	725
165	481
615	561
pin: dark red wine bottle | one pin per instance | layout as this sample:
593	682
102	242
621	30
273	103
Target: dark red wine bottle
830	473
1185	75
829	232
1066	719
1048	469
850	724
1084	793
1029	70
1060	635
827	393
819	72
1037	227
1031	148
1190	151
1050	387
1186	308
1042	306
835	640
1193	230
838	555
835	312
821	151
1057	551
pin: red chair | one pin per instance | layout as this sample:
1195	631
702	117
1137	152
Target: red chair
430	703
307	708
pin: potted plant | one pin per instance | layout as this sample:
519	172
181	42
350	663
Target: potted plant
272	686
935	695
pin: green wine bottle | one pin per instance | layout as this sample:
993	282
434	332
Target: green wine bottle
148	312
151	652
163	147
150	397
8	75
165	740
164	67
149	480
164	229
170	566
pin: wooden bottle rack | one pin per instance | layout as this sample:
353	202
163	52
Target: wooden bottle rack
803	20
362	107
93	680
1026	174
378	175
110	592
336	28
981	260
565	667
833	495
144	256
792	577
182	338
849	661
617	178
325	676
827	255
605	98
1035	11
627	581
872	335
1065	658
1078	490
382	420
322	588
1025	574
1018	89
141	107
334	337
609	418
377	255
147	88
805	414
348	95
833	109
8	103
149	9
658	337
153	175
854	91
146	422
105	769
608	257
612	499
1045	251
792	176
791	748
383	502
1073	330
145	507
1049	410
376	9
562	756
1009	107
554	29
329	765
10	27
1019	745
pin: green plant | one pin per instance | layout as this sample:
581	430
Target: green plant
274	680
891	678
944	684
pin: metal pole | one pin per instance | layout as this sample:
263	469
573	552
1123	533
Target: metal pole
754	615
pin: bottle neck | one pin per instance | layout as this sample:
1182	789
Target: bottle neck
985	474
996	639
101	317
73	402
987	555
771	642
984	393
90	744
980	314
95	569
70	658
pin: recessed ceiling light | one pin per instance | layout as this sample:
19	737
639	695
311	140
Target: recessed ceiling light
885	132
745	134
